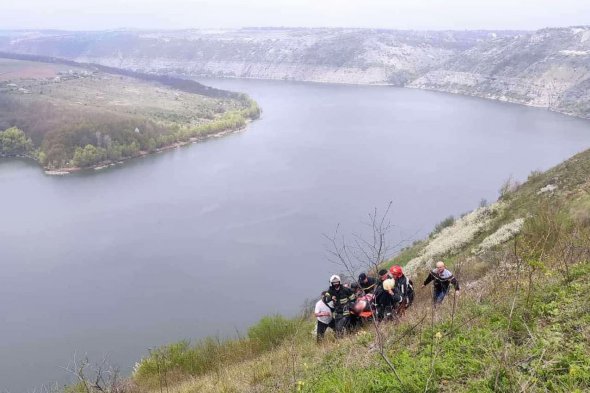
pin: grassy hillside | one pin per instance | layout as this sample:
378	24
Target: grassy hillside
82	116
521	323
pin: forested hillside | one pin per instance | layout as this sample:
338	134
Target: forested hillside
70	116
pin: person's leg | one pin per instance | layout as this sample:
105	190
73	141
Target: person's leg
380	310
341	325
332	325
321	329
440	296
401	309
347	324
355	322
390	312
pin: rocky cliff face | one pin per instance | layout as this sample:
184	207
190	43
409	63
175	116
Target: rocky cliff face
547	68
319	55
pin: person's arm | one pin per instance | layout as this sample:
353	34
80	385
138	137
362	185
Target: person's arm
402	289
319	313
351	298
369	287
395	296
455	283
428	279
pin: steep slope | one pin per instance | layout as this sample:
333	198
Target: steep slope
548	68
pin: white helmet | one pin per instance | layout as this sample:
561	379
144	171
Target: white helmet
334	278
389	284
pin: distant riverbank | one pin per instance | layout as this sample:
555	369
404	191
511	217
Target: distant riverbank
107	164
70	117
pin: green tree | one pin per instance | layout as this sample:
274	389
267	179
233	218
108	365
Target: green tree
14	142
88	156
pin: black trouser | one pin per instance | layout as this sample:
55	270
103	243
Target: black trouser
341	324
354	322
322	327
385	312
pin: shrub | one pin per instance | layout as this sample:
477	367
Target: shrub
447	222
509	186
182	359
271	331
534	175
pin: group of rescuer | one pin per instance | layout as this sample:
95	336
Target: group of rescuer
343	307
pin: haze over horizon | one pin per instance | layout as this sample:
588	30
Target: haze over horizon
185	14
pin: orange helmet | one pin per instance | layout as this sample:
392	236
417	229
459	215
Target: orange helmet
396	271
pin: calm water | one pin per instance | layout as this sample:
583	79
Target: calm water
207	239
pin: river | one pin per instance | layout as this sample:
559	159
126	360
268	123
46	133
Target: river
206	239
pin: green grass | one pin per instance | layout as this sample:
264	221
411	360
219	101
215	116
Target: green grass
492	354
183	359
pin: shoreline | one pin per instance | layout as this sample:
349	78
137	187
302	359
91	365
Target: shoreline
108	164
385	84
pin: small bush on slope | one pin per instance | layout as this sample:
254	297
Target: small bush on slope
182	360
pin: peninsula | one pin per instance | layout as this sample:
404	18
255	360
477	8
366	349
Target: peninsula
69	116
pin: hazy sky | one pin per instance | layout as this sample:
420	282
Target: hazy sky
395	14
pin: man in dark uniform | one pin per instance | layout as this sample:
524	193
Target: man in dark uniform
343	299
403	286
367	283
386	298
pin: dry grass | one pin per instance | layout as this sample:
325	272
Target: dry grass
107	92
13	70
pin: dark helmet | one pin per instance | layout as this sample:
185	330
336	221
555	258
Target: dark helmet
328	300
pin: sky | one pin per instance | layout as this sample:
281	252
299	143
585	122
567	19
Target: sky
391	14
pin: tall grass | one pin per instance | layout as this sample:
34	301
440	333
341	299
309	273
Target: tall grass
523	327
175	362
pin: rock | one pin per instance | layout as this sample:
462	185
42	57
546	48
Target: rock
547	188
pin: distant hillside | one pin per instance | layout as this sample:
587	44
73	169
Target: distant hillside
321	55
548	68
69	116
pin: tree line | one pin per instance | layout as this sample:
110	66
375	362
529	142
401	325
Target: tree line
92	138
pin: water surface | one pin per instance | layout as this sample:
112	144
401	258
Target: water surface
207	239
